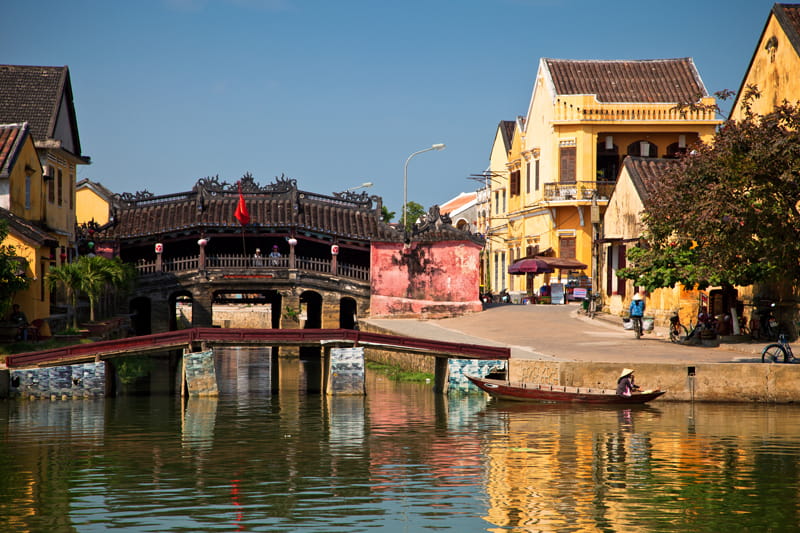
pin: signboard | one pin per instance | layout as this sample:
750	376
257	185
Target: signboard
557	295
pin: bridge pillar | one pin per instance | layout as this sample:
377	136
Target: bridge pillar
202	314
440	375
345	372
199	374
290	300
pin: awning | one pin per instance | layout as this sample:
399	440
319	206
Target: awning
531	265
564	263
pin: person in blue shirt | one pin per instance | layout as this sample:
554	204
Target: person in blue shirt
637	312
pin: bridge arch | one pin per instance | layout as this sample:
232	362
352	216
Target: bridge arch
348	313
140	309
311	308
180	305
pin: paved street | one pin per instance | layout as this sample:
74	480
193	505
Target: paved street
560	333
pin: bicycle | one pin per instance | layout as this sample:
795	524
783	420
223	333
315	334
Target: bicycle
637	326
773	353
677	331
593	299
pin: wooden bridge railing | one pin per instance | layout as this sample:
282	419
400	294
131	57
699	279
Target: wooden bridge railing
97	351
241	262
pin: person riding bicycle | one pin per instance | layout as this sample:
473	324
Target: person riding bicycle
637	306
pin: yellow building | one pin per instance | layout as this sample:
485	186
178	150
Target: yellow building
92	202
775	63
495	263
41	97
21	189
584	117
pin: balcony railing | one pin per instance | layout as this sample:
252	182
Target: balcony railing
578	190
263	264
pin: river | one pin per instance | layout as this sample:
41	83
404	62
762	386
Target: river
400	459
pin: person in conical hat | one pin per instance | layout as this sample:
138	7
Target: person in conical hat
625	384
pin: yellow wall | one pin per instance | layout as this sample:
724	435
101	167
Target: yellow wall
35	300
497	252
774	71
60	212
27	162
90	206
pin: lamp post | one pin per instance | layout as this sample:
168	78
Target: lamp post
364	185
439	146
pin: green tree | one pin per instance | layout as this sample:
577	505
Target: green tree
11	279
386	215
413	212
91	275
98	273
68	276
728	213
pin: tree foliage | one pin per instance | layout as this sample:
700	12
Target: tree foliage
11	280
414	212
90	275
386	215
729	212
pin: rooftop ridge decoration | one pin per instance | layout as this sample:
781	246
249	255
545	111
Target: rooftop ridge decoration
212	187
438	226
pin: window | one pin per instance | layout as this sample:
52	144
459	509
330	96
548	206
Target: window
51	187
514	183
27	191
60	187
536	175
528	177
643	148
567	168
72	191
566	247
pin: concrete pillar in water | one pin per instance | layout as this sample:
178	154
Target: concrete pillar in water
346	372
199	374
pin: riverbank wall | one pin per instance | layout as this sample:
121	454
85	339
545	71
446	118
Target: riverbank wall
684	381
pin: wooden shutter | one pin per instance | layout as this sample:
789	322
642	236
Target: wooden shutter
566	247
567	170
622	283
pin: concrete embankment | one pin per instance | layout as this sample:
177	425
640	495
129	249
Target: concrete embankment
552	345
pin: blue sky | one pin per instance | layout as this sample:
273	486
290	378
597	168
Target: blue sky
336	93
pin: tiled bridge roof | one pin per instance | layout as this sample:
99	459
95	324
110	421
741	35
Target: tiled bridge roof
277	207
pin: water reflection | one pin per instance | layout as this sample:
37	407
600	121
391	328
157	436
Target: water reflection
674	467
399	459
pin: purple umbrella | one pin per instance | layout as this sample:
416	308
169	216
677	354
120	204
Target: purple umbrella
530	266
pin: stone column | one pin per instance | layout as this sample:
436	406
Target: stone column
202	314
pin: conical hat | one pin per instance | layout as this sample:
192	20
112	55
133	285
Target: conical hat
625	372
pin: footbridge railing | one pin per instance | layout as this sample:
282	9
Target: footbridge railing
188	338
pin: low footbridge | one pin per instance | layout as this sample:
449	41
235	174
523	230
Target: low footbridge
195	338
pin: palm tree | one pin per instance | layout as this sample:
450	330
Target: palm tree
97	274
69	276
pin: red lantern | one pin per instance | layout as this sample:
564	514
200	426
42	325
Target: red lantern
159	247
335	249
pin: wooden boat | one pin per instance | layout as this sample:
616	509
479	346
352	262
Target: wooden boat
531	392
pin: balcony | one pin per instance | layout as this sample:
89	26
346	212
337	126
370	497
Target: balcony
578	190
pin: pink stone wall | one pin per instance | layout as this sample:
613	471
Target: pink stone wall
429	280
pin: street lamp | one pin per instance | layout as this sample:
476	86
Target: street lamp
364	185
439	146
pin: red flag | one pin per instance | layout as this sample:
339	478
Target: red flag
241	213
